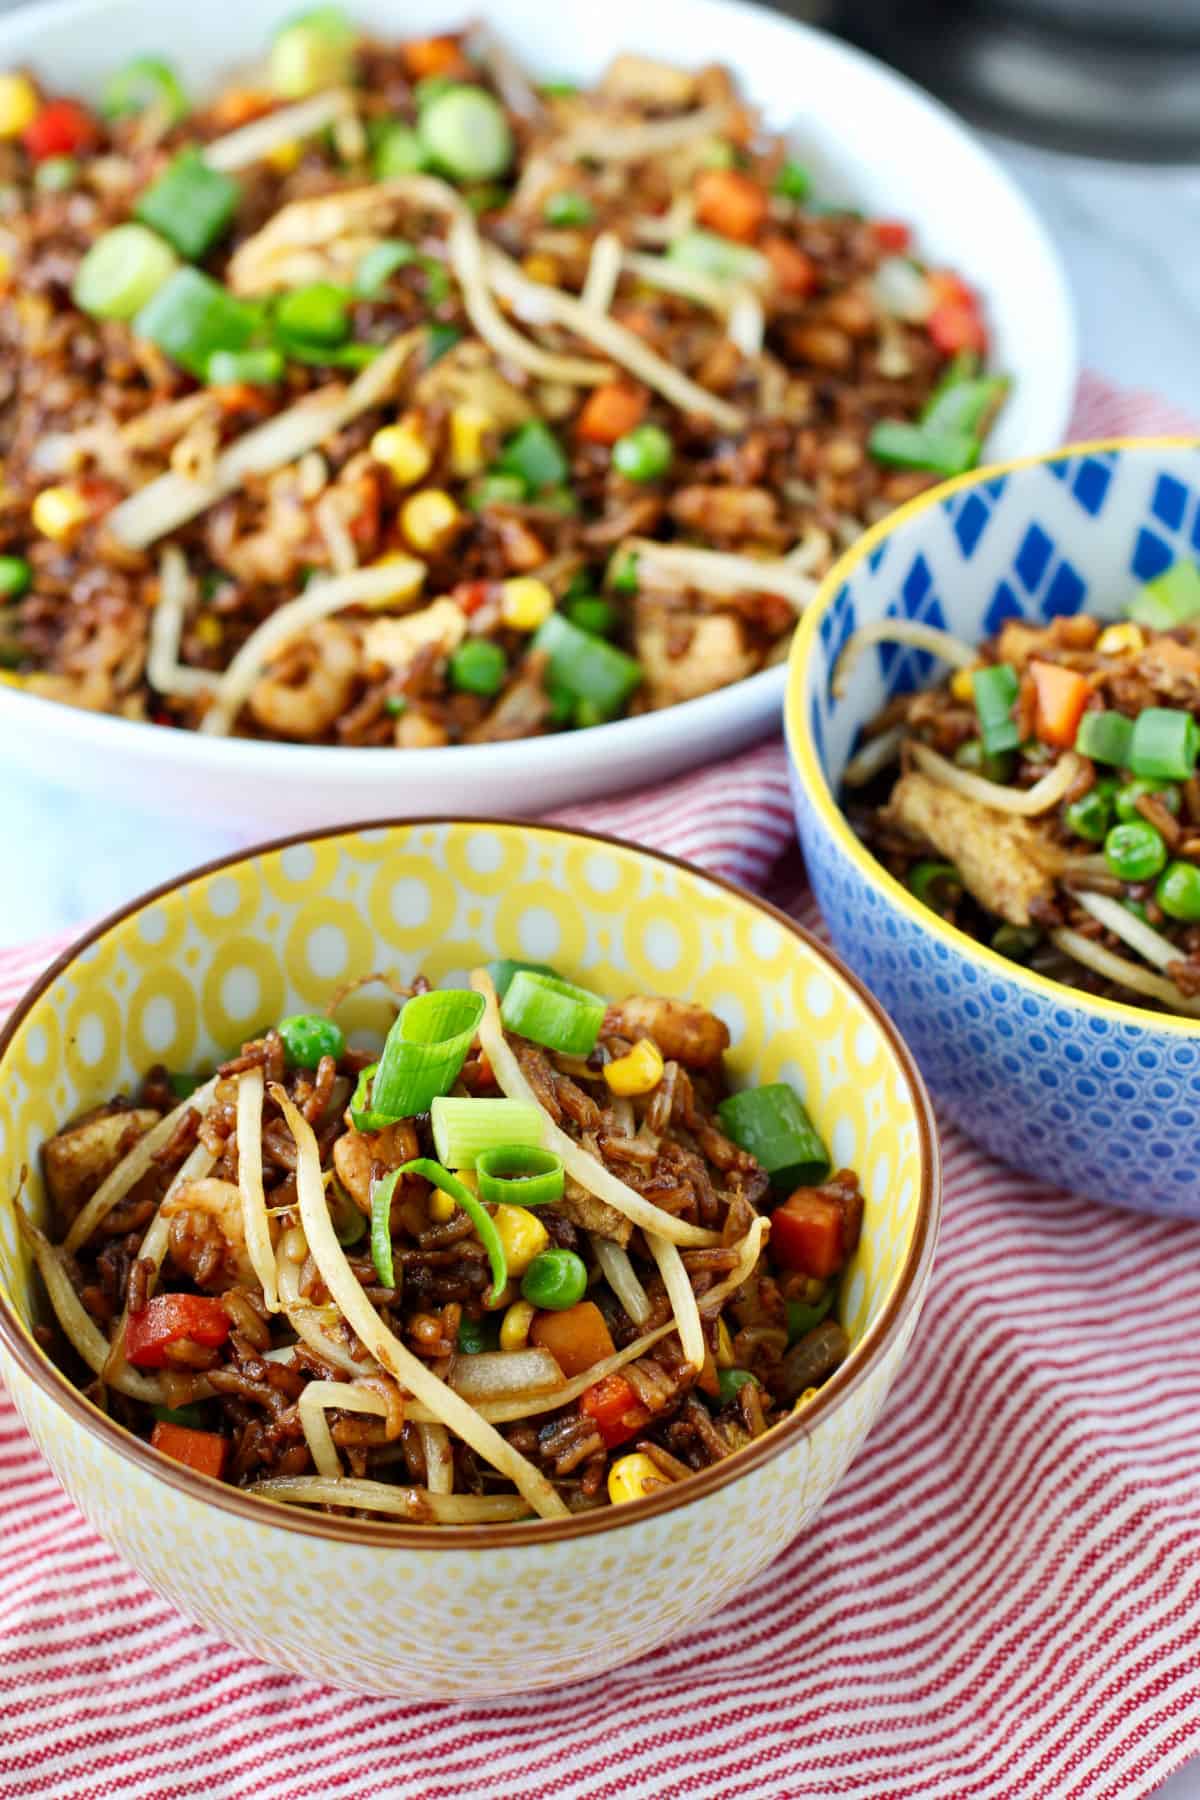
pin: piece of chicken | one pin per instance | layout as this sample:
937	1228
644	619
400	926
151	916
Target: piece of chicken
684	1032
1005	862
77	1160
715	656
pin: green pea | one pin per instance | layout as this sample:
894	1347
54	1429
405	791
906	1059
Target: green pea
1178	891
476	1335
803	1316
567	210
793	181
15	576
993	765
307	1037
643	454
555	1280
1135	852
478	667
1127	797
592	613
1089	817
731	1382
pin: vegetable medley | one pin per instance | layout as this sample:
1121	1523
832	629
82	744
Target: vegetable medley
535	1258
1047	799
394	399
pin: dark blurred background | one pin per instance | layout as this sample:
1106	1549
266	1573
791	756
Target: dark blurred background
1114	78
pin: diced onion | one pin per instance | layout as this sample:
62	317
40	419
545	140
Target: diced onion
621	1277
373	586
504	1374
251	143
255	1224
683	1300
320	1397
943	644
132	1166
1123	924
586	1170
411	1373
419	1506
1135	976
1026	803
719	571
77	1324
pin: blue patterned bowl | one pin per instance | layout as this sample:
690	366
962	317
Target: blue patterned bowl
1098	1097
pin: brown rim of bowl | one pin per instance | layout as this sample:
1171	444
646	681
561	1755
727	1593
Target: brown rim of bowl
880	1333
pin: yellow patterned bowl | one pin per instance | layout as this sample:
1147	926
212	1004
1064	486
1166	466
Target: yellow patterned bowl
195	968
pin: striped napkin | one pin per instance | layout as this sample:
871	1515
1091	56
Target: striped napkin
1002	1598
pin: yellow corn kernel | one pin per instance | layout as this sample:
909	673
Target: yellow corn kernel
441	1206
18	104
542	268
806	1396
429	519
210	631
469	428
522	1234
403	452
284	157
638	1072
1117	640
58	512
724	1346
410	576
6	263
961	686
633	1477
525	602
9	679
514	1327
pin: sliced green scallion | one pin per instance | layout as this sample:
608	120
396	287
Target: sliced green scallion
773	1126
463	1129
556	1014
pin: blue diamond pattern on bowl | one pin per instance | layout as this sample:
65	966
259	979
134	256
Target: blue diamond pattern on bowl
1102	1099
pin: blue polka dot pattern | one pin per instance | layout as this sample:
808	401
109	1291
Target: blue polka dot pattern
1105	1104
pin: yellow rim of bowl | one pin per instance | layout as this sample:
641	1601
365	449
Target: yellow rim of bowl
808	764
906	1286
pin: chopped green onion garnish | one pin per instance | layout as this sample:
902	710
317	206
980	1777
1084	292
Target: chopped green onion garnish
478	667
964	406
1165	744
503	970
535	454
380	264
363	1116
622	575
381	1227
773	1126
439	339
793	181
1135	852
1090	816
489	1237
476	1335
16	576
312	52
425	1049
463	1129
803	1316
261	367
193	1417
943	452
558	90
927	881
593	614
520	1175
487	198
122	271
348	1223
146	82
567	210
191	316
465	132
190	204
553	1013
307	1037
1125	798
1106	737
993	767
431	88
1172	598
585	666
709	254
317	314
497	489
397	150
995	689
1017	942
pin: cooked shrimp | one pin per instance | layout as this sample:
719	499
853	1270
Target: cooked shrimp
189	1209
356	1154
306	709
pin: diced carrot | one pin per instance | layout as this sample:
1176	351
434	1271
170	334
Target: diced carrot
203	1451
955	322
795	272
610	411
892	234
576	1338
615	1408
1062	695
433	56
237	106
731	203
806	1234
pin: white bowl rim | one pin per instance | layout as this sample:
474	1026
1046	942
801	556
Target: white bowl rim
804	758
906	1291
759	697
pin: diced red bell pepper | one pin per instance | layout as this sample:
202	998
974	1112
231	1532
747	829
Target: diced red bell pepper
469	596
203	1451
806	1234
61	128
617	1412
892	235
166	1319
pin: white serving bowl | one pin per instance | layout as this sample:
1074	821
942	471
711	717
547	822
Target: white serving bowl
869	136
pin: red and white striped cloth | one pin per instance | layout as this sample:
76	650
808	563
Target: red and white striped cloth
1001	1599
